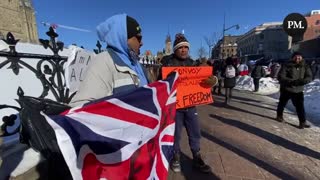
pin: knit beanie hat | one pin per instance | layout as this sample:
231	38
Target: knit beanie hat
133	27
180	40
296	54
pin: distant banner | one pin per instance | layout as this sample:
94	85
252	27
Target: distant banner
190	91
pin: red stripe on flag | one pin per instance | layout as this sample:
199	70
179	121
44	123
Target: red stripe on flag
94	169
106	108
167	138
65	112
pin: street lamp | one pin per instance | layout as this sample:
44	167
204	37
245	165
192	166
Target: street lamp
236	26
226	29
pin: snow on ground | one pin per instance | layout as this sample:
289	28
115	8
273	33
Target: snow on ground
244	83
267	86
270	87
31	157
312	100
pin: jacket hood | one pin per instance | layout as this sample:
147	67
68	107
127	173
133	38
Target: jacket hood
113	31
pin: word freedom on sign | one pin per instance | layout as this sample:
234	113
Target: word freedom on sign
195	99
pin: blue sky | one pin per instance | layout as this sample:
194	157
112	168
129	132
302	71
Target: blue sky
197	18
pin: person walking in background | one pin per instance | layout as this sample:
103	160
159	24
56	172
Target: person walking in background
314	69
236	61
229	73
275	68
292	78
203	62
217	69
243	69
257	73
187	117
318	67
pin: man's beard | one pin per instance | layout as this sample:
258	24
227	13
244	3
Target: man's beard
134	57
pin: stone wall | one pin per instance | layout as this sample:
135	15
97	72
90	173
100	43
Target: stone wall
17	16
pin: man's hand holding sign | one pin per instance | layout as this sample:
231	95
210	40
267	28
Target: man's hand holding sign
194	85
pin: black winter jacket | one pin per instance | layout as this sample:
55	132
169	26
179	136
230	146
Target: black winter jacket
258	72
292	77
172	60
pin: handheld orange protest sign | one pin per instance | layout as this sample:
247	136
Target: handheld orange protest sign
191	91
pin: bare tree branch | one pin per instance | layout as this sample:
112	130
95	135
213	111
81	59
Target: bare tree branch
202	52
211	41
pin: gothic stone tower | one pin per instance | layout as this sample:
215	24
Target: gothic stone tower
18	17
168	49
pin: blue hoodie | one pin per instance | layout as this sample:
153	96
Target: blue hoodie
114	32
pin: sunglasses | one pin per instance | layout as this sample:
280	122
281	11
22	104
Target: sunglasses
139	38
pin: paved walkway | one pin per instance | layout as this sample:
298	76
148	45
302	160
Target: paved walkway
243	141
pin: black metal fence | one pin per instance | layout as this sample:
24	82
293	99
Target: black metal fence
49	70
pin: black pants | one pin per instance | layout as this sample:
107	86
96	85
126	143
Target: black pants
297	100
187	117
228	94
314	74
256	84
219	86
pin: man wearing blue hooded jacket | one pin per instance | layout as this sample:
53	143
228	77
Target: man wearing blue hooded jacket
118	69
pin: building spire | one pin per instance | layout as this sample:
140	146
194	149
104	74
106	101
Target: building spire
168	45
168	38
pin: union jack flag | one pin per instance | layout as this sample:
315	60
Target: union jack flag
127	136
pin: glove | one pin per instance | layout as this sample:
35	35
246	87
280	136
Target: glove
209	82
298	82
288	83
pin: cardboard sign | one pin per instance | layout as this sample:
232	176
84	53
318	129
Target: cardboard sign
190	91
76	67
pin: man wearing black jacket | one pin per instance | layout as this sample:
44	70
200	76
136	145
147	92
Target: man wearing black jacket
257	73
292	77
187	117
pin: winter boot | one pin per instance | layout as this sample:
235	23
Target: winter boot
199	164
175	163
226	101
304	125
279	119
229	100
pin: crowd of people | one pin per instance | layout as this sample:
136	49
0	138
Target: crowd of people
292	77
